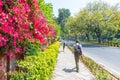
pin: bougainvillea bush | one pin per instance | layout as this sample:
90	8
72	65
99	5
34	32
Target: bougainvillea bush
22	21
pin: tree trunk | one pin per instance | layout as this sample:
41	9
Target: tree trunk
98	32
8	66
99	37
88	38
99	40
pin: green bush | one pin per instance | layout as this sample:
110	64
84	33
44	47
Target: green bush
33	48
99	72
114	42
16	75
37	67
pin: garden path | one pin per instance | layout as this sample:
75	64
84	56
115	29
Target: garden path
65	68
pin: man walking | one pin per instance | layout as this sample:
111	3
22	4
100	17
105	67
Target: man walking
64	44
77	53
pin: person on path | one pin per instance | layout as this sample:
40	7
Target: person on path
77	53
64	44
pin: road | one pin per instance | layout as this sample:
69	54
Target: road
106	56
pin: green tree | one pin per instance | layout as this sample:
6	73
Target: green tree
101	19
62	19
84	23
71	27
116	22
62	16
95	21
47	8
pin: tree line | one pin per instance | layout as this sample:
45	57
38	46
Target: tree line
97	21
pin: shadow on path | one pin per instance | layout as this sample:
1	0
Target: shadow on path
69	70
61	51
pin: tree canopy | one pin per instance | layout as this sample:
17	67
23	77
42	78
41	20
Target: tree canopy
97	21
62	19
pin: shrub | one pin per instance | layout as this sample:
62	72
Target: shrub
37	67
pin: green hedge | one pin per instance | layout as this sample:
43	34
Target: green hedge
37	67
115	42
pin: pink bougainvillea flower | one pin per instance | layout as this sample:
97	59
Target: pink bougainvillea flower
14	42
3	40
17	50
1	3
14	18
15	24
28	35
26	8
1	44
10	54
0	64
1	6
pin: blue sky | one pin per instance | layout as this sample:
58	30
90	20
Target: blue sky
74	5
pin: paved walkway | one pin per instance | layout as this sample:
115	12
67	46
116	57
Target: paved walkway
64	69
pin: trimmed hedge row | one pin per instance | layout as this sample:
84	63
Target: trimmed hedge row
97	70
37	67
114	42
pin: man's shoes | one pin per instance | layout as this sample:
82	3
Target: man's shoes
77	70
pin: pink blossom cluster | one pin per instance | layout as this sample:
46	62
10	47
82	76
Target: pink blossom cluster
3	40
22	20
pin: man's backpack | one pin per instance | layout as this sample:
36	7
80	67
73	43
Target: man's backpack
78	50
